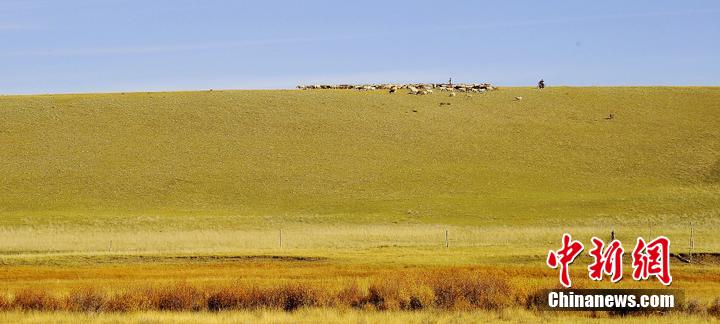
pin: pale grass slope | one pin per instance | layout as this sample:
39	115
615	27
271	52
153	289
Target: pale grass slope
225	170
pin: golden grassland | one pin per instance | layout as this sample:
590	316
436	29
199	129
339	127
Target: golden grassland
136	190
455	289
452	290
313	315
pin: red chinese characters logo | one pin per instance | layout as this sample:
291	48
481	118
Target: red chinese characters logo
564	257
652	259
606	262
649	259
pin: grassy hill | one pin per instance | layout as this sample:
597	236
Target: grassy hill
240	160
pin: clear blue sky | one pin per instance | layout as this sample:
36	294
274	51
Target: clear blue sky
132	45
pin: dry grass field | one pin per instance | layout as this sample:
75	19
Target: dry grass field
335	316
122	192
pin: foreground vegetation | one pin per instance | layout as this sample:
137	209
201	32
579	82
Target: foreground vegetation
449	290
429	291
341	316
120	193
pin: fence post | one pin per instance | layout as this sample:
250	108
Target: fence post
692	240
447	242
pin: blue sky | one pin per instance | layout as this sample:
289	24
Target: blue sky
131	45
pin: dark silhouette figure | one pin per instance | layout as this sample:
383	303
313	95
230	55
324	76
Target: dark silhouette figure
610	117
541	84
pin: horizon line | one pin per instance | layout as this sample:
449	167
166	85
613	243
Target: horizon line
121	92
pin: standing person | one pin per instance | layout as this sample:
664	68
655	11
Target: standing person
541	84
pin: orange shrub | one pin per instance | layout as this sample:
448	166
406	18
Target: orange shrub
468	290
400	294
85	300
5	303
129	301
180	297
714	308
224	299
293	296
36	300
351	296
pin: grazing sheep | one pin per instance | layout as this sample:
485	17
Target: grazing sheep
452	94
413	87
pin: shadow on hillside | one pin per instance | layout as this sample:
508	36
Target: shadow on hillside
713	175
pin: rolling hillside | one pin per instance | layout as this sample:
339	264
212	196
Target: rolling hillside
364	153
152	164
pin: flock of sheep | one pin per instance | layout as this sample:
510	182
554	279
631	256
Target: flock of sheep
416	89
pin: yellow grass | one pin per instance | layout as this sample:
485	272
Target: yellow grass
125	190
225	171
234	159
341	316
